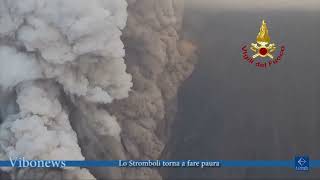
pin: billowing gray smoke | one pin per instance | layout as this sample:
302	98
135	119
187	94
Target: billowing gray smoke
54	48
62	78
159	60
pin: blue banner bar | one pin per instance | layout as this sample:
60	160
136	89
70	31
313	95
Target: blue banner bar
258	163
314	163
92	163
5	164
159	163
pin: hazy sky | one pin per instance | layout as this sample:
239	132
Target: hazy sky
313	5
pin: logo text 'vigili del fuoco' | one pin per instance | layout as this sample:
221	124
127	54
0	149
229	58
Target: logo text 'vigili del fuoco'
262	50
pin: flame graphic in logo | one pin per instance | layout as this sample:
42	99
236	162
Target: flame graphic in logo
263	48
263	35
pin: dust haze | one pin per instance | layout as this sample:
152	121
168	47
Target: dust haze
116	79
253	5
232	110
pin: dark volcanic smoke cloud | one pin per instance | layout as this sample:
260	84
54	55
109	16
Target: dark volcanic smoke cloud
63	78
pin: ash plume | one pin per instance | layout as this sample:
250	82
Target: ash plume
52	51
159	60
67	93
